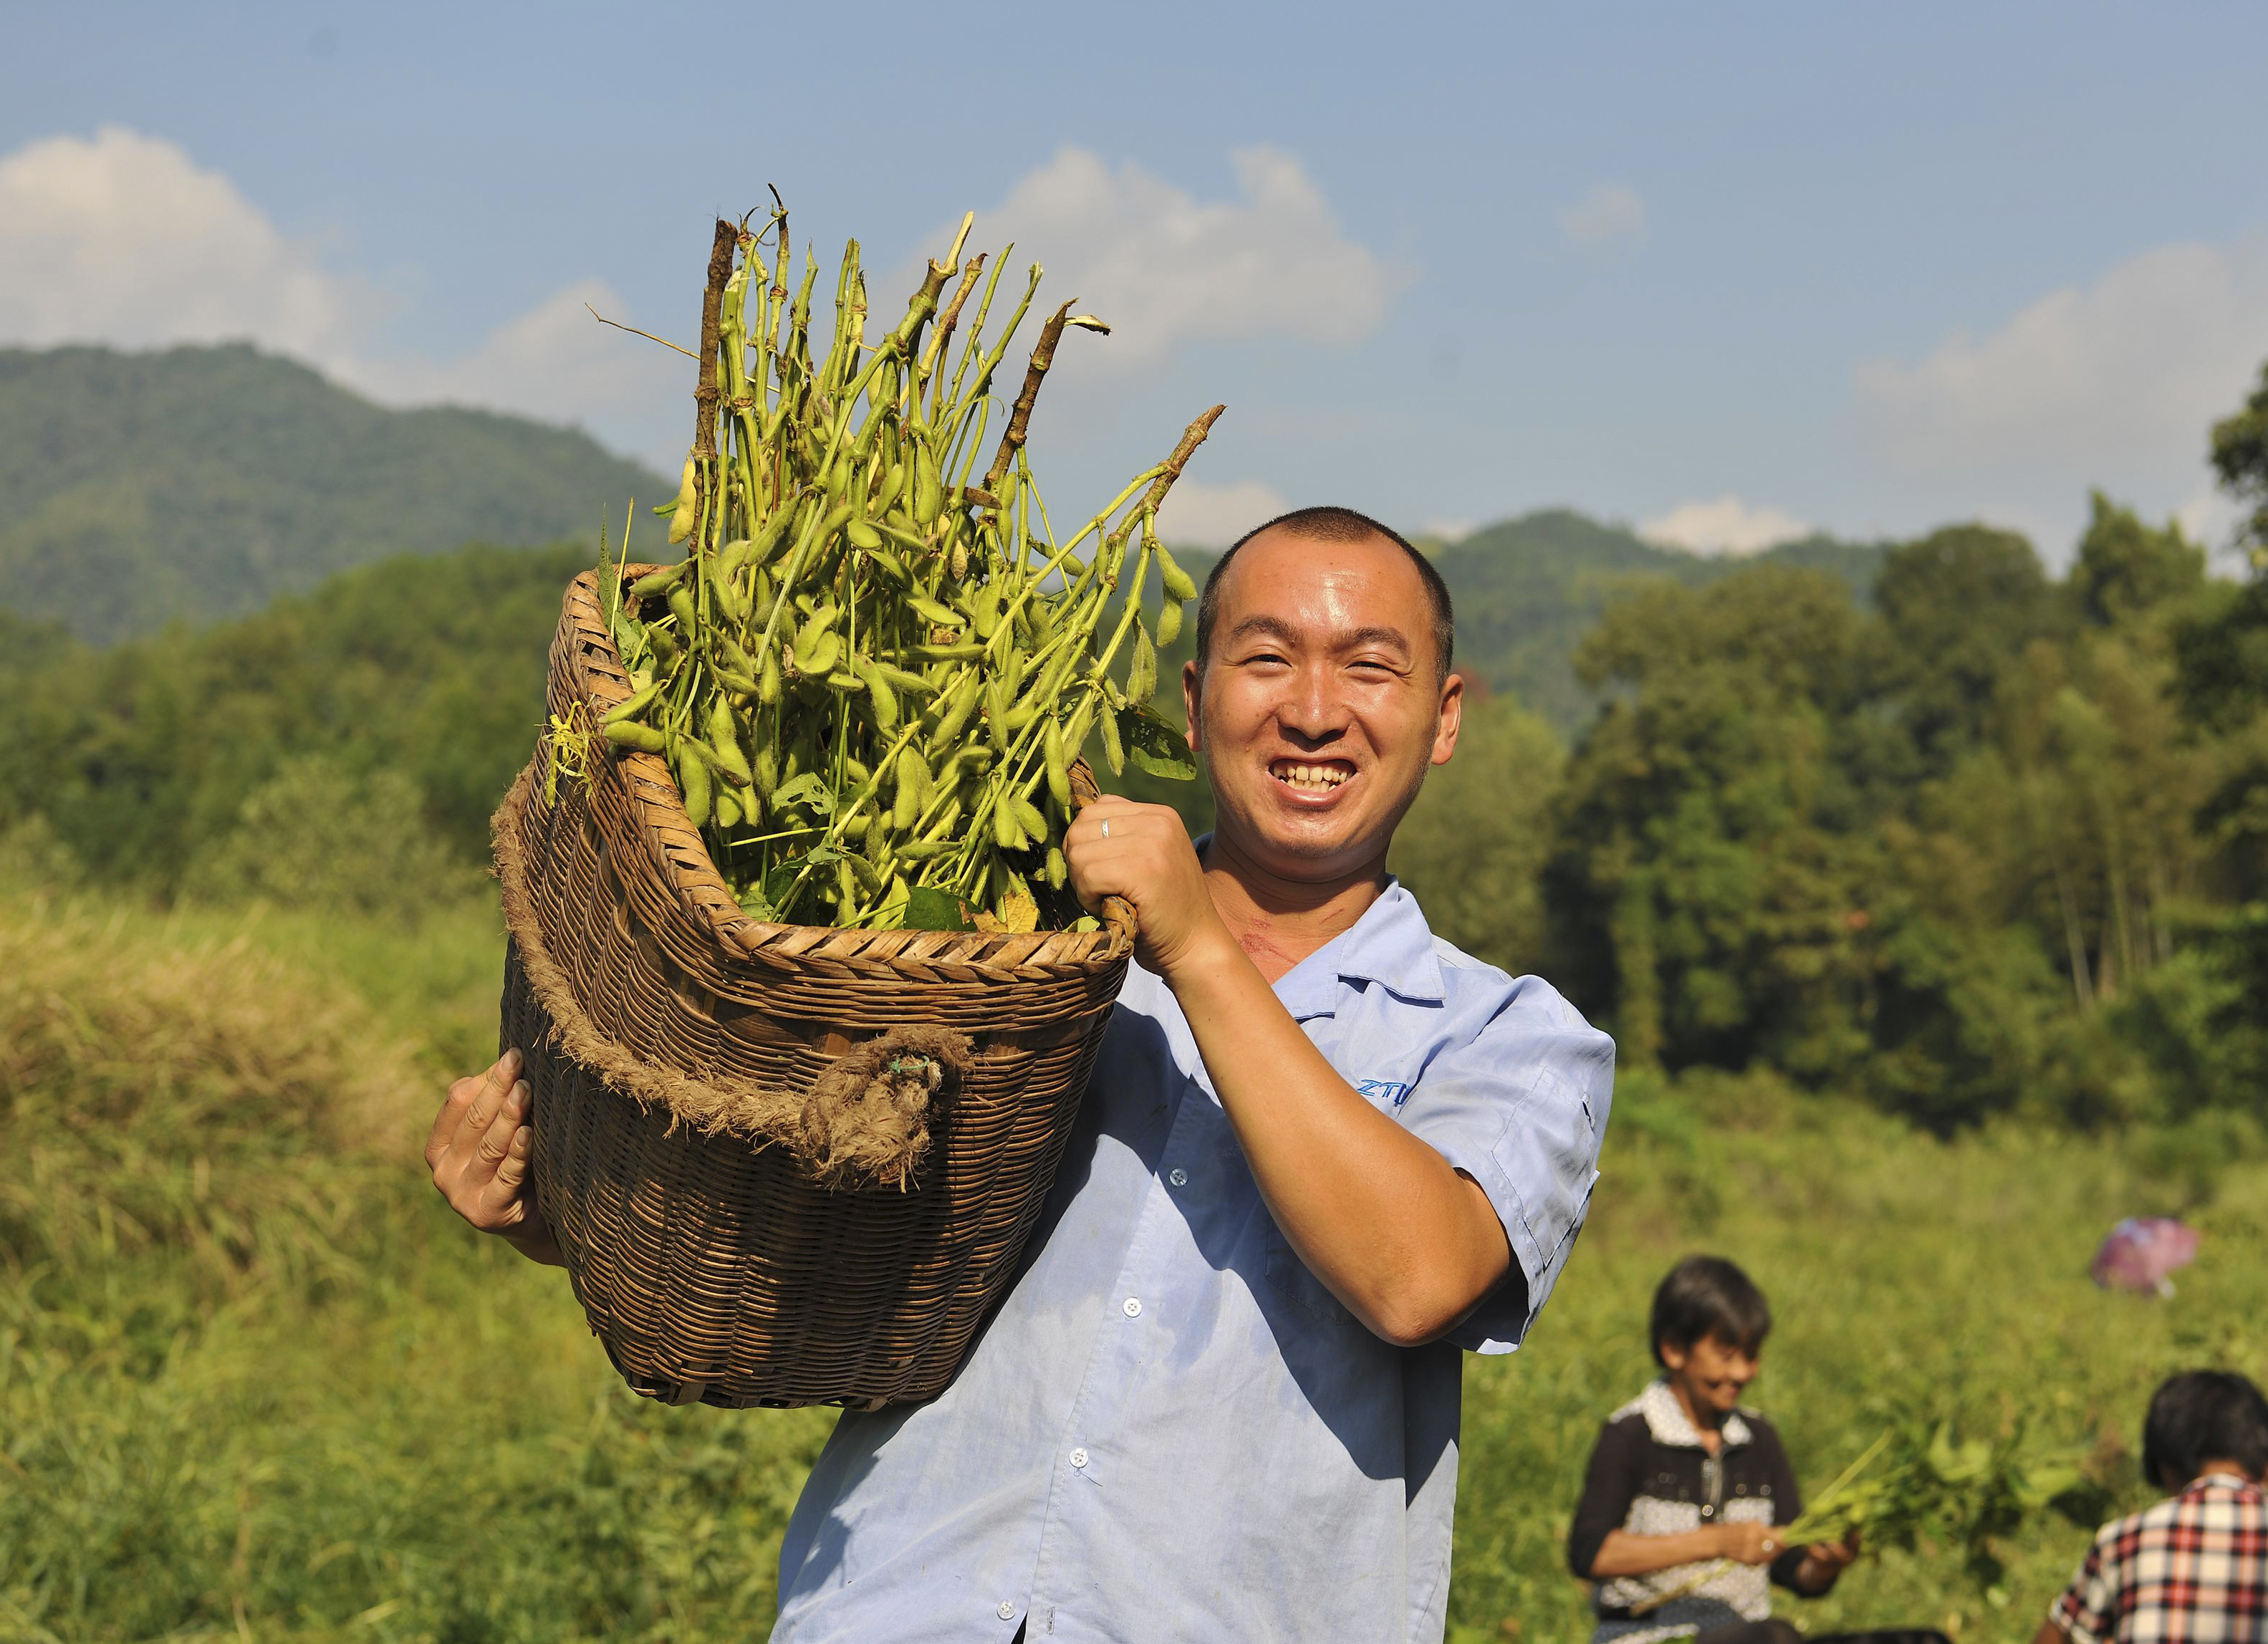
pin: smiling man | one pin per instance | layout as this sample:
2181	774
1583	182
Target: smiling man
1323	1154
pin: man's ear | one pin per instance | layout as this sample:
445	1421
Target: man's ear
1192	682
1449	718
1674	1354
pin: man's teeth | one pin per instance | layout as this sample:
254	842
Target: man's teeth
1316	778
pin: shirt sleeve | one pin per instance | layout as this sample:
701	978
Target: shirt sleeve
1609	1483
1521	1108
2089	1609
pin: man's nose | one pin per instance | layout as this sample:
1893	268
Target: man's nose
1313	707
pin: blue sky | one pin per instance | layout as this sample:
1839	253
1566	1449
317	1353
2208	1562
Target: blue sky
1721	271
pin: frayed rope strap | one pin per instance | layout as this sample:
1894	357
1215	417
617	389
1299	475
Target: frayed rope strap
864	1121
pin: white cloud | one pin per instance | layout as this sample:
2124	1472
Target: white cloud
1724	526
2115	385
558	363
1612	210
1164	268
121	238
1214	516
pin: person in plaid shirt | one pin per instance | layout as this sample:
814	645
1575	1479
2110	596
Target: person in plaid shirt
2194	1568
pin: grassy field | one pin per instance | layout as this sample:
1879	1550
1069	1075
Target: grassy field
255	1383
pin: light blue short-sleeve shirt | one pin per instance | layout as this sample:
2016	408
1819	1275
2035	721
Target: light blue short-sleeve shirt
1171	1429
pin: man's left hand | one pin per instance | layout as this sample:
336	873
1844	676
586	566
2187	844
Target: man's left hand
1142	853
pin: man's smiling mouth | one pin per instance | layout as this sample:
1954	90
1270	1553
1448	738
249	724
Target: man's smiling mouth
1309	775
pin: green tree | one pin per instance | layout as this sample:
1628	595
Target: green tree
1472	848
1959	607
2126	570
1706	888
2240	456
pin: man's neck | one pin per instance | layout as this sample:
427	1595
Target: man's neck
1278	922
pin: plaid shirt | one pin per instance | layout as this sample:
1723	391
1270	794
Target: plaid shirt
2192	1570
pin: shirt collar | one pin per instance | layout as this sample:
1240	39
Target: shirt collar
1390	945
1667	1421
2228	1481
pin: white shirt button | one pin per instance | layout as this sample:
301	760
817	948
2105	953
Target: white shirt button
1133	1306
1008	1611
1180	1178
1078	1459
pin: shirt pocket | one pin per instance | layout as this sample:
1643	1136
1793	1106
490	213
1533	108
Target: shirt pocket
1290	1281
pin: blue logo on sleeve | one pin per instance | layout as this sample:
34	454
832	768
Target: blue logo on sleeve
1390	1091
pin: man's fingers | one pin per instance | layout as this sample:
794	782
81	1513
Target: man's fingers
495	1143
465	1099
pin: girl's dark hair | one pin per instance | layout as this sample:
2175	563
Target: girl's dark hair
2204	1416
1705	1296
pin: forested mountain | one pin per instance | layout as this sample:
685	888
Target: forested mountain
200	483
1527	590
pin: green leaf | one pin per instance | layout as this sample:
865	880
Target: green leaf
929	909
806	789
1153	743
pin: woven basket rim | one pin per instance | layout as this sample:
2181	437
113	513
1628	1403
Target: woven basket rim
600	681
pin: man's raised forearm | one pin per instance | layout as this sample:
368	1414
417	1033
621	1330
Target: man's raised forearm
1408	1243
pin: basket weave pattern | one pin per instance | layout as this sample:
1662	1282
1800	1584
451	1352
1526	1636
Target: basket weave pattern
671	1042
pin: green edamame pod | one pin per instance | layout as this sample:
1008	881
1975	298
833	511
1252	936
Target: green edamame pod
1114	751
632	706
1180	584
1005	834
630	733
680	607
1169	622
724	739
996	714
961	705
693	783
929	488
1058	767
767	679
656	583
1033	825
1057	870
681	521
879	692
1142	677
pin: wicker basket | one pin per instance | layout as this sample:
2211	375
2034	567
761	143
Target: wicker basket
670	1043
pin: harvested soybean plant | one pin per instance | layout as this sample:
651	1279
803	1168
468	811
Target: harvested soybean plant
877	664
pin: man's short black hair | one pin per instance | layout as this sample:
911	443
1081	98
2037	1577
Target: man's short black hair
2204	1416
1705	1296
1336	525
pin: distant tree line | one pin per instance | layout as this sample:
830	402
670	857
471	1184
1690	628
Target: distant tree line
1969	840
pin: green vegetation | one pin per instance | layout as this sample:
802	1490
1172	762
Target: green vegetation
1926	894
255	1380
200	483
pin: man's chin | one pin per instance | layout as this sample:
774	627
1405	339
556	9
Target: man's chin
1310	847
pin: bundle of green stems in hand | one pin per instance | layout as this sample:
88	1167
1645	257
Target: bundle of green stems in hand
874	669
1917	1481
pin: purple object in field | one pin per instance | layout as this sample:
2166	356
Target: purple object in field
2141	1254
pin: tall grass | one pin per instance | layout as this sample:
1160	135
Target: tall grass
255	1382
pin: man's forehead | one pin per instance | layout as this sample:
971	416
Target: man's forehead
1280	554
